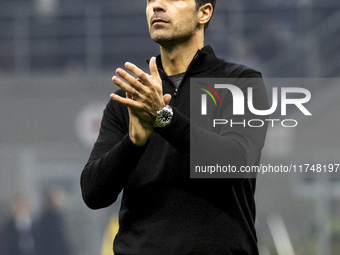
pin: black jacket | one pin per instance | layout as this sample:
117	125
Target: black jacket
163	211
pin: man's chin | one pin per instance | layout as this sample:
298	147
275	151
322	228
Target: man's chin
159	36
161	39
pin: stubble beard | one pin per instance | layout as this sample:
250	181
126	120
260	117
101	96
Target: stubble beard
171	38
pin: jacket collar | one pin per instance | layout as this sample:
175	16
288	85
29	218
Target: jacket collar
203	60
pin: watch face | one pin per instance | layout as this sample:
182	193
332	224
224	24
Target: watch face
165	116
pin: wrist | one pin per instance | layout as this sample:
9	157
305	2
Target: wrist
139	134
138	140
163	117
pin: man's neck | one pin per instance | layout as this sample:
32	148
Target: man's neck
175	60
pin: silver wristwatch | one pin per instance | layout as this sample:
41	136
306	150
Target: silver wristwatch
163	117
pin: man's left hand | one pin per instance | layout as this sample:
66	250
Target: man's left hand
146	91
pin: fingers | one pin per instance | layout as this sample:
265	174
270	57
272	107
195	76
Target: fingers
124	86
144	92
130	84
143	77
167	98
130	80
128	101
153	68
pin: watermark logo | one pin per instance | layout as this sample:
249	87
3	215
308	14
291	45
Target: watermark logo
204	97
239	100
245	102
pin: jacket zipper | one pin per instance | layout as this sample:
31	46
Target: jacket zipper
194	60
176	90
169	80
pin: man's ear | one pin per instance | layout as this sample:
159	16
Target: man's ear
204	13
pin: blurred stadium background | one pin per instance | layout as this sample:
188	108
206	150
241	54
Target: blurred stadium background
57	58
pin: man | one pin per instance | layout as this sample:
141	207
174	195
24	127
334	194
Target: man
144	148
18	232
51	234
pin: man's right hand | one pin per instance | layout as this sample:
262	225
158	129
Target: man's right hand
139	130
144	97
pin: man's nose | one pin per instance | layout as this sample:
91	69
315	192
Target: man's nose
158	5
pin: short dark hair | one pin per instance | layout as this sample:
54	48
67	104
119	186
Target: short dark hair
199	3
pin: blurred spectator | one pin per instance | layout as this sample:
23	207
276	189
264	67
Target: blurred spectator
51	235
17	233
